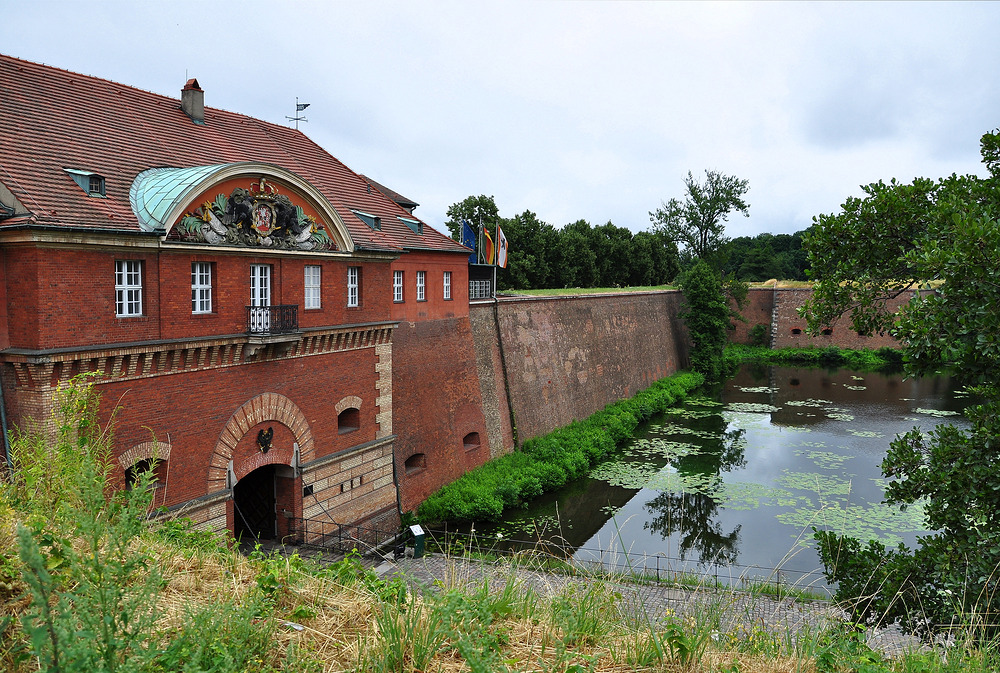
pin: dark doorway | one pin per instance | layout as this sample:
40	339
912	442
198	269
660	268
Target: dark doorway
254	505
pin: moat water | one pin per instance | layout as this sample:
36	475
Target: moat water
732	486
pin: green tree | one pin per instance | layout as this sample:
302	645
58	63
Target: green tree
477	210
707	318
532	246
575	261
698	222
942	234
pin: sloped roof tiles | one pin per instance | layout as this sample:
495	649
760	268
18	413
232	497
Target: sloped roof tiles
52	119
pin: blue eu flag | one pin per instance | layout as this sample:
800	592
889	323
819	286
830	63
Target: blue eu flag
469	240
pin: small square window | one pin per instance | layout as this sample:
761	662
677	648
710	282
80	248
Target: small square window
90	182
373	221
312	286
416	226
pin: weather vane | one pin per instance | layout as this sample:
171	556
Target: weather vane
299	107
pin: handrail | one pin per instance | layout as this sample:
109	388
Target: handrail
267	320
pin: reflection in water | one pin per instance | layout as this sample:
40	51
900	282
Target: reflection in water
691	516
743	478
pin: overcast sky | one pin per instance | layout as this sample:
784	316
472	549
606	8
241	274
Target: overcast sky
573	110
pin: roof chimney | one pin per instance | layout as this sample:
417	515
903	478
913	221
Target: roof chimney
193	101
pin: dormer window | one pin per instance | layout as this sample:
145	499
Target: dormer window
90	182
373	221
415	225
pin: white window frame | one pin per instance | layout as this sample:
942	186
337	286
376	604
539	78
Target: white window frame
313	283
201	287
260	297
446	285
128	288
421	286
397	286
353	286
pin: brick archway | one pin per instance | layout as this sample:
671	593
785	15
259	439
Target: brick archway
260	409
152	450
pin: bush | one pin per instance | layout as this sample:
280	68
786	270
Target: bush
548	462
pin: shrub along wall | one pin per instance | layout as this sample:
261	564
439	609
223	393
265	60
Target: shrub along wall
547	462
862	359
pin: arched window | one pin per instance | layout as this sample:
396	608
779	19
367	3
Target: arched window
827	331
471	441
796	330
415	463
159	468
348	420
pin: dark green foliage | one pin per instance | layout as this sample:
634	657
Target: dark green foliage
831	356
766	256
943	234
545	463
707	318
759	335
577	255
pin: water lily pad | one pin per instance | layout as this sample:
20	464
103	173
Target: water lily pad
757	389
751	408
940	413
808	403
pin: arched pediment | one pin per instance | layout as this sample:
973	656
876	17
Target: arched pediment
247	204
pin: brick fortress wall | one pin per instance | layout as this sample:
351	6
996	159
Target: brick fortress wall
567	357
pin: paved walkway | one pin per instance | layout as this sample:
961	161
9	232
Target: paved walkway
741	614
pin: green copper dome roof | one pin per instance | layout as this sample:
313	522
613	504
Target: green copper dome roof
155	193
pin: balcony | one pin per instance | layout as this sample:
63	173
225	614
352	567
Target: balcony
272	325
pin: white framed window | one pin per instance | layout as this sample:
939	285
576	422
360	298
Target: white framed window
447	285
260	297
421	286
201	287
353	286
260	284
312	285
397	286
128	288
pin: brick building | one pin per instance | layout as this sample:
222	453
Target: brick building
284	338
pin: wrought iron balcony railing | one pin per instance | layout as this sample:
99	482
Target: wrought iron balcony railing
268	320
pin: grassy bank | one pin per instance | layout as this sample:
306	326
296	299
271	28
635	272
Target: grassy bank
545	463
88	584
860	359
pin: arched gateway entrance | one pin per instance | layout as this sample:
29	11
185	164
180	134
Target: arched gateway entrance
262	501
254	506
256	456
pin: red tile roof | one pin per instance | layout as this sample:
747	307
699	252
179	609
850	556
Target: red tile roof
52	119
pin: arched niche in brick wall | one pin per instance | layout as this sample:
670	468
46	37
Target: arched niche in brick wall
267	407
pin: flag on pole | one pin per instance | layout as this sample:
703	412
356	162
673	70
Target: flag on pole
501	248
299	107
489	247
469	240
